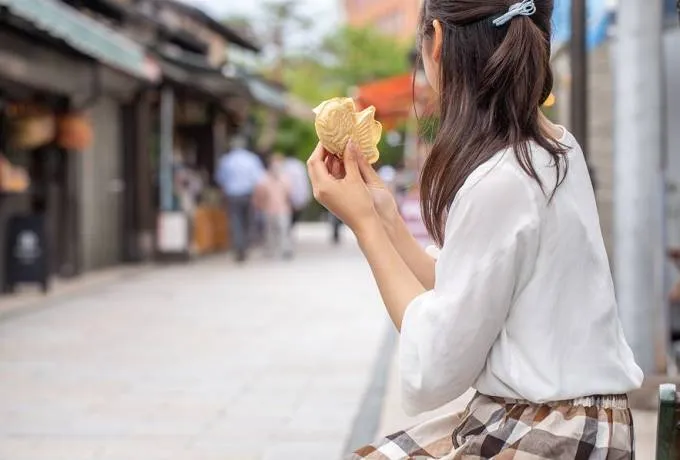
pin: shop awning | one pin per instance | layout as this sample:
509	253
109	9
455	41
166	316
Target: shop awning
271	95
267	95
85	35
278	99
194	71
391	97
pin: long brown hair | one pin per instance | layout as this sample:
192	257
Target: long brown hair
492	82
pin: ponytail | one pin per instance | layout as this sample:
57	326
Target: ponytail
492	81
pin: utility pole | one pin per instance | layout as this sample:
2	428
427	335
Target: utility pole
638	180
579	73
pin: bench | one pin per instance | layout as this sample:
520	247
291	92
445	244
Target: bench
668	428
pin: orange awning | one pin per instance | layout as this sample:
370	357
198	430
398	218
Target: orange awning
391	97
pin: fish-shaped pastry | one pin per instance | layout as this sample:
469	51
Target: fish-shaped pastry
337	121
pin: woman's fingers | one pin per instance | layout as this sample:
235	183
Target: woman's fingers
369	174
316	166
350	161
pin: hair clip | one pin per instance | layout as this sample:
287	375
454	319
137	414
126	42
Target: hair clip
523	8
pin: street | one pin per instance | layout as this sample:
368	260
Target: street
200	361
272	360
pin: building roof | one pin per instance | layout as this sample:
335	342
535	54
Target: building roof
85	35
228	33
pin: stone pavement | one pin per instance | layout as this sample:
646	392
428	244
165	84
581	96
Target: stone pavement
196	362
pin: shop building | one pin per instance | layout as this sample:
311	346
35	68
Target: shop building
63	85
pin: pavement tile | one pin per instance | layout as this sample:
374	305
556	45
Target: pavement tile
142	448
304	451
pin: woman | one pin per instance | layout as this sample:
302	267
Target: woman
520	303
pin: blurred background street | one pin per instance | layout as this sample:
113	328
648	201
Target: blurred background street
169	287
206	361
280	360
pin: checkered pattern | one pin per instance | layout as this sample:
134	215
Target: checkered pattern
598	428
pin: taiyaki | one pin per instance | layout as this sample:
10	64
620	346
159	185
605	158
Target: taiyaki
337	121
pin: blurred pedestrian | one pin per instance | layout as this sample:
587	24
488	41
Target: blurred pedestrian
409	209
301	190
272	198
388	174
520	302
336	228
238	173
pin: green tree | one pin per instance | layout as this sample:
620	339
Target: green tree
311	81
281	16
347	58
361	55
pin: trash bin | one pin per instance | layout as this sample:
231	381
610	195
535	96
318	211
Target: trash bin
26	254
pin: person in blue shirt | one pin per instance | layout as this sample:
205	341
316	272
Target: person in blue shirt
238	173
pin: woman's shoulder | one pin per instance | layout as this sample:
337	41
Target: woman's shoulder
498	176
503	173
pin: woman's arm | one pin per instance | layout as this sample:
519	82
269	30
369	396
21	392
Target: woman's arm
420	262
397	283
351	200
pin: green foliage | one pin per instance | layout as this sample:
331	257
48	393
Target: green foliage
310	80
285	13
347	58
392	154
295	138
361	55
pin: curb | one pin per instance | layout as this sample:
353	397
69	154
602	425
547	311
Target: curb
367	421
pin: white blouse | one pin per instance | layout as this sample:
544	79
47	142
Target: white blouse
523	305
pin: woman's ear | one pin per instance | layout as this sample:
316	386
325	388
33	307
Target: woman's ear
437	41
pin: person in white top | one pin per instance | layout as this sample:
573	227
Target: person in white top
272	198
301	192
519	303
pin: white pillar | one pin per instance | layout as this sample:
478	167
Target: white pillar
638	180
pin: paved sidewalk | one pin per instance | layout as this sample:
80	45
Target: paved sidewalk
30	297
393	418
269	361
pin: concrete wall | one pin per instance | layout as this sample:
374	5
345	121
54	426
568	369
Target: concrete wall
101	186
600	126
672	64
601	136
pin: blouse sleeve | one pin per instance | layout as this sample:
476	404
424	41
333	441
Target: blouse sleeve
490	247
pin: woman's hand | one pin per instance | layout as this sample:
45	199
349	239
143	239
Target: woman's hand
383	199
341	188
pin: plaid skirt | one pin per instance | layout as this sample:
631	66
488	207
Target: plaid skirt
596	428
